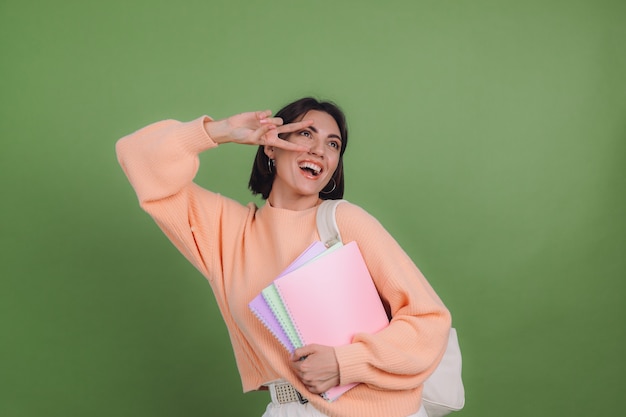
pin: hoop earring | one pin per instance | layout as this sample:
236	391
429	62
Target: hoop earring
270	162
333	189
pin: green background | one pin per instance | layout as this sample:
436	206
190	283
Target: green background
489	137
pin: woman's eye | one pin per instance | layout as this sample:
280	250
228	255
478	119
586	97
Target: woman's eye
334	145
305	133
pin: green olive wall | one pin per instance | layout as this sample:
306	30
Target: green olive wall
489	137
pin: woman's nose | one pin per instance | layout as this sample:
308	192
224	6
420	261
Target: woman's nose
317	148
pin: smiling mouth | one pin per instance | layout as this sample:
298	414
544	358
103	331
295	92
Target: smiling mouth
311	168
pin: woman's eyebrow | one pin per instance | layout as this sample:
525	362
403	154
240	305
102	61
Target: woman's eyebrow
332	135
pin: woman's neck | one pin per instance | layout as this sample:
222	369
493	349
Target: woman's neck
296	203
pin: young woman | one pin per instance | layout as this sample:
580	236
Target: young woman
241	249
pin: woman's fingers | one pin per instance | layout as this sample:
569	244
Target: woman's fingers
276	121
266	135
264	114
294	127
317	367
259	135
272	139
259	128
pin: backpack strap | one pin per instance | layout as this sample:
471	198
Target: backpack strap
327	223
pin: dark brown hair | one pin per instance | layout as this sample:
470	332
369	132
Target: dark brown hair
262	179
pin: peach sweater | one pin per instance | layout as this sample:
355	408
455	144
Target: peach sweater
240	249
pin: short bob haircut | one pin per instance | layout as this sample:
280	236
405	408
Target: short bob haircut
262	179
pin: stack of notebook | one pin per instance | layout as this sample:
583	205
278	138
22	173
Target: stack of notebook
325	296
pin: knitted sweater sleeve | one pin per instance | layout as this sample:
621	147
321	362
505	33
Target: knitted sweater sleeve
161	161
405	353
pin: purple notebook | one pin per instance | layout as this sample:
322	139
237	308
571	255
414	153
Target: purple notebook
263	311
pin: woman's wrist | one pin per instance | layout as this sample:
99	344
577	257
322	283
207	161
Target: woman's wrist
217	130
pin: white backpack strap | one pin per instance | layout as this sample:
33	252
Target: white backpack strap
327	223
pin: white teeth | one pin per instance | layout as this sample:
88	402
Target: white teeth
314	167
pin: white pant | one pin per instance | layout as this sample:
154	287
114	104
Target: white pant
307	410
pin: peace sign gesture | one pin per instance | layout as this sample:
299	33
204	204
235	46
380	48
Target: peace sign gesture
255	128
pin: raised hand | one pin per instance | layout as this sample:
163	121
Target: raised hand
255	128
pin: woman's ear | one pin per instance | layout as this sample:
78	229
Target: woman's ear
269	151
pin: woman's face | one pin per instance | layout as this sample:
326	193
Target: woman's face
302	175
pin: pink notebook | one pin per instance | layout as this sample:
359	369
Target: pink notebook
331	299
